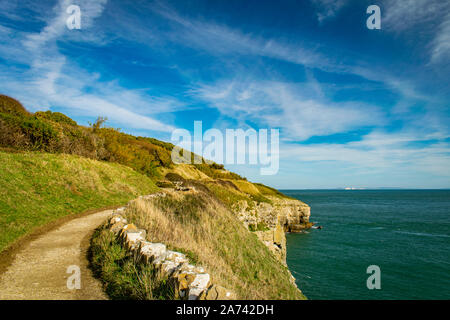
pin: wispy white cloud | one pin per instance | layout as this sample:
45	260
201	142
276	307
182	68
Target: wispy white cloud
403	15
227	42
378	151
56	25
301	109
431	17
328	8
57	84
441	43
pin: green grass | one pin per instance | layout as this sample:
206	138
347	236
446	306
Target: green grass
37	188
268	191
258	227
228	196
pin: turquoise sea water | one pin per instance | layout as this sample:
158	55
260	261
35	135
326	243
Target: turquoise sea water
405	232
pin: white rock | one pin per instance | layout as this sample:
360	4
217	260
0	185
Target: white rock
176	257
169	267
134	237
116	219
153	251
118	210
201	281
195	293
194	269
159	260
200	284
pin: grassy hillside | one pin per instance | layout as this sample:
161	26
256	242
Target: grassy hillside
56	133
34	194
37	188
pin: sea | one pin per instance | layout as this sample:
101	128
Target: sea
404	233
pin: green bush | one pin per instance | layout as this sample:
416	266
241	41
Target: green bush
56	117
41	134
12	106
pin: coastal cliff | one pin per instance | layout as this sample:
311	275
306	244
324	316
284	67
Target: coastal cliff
280	215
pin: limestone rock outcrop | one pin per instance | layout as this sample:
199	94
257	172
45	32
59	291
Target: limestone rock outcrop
271	220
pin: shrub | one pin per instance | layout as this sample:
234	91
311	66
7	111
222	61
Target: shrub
41	134
174	177
56	117
12	106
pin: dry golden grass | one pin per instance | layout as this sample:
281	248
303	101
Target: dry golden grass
187	171
200	226
247	187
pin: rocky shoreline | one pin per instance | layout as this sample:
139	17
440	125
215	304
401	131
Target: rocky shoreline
280	216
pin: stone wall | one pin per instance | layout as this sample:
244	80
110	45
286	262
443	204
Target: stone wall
187	281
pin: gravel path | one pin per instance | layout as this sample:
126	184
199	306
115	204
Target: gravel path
39	270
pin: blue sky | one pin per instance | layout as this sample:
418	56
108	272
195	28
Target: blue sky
355	107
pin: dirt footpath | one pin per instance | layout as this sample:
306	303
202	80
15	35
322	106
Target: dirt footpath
39	270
